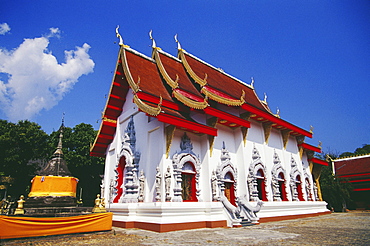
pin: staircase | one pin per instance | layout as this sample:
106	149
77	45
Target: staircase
246	222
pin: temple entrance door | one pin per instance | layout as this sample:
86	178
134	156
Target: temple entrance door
229	188
188	185
120	170
261	185
299	188
282	188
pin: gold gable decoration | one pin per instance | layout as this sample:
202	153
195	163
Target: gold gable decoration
163	72
223	100
153	111
126	71
193	75
189	102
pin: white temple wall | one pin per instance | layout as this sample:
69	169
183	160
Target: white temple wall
291	146
275	140
255	134
242	157
152	156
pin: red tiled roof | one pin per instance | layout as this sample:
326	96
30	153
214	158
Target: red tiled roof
174	68
353	166
146	70
223	83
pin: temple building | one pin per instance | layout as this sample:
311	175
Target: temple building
189	146
356	171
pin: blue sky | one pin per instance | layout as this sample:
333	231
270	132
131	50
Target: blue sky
311	58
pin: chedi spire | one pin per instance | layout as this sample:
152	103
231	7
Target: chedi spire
57	166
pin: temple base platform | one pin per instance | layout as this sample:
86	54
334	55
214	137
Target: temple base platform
174	216
275	211
168	216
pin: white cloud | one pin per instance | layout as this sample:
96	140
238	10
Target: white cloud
4	28
54	32
35	80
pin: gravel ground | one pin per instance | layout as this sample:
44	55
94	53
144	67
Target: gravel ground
351	228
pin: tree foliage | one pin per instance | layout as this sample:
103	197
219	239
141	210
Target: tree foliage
25	148
365	149
337	192
21	145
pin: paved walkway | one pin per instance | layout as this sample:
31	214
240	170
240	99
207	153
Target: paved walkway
351	228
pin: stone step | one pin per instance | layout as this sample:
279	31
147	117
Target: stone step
246	222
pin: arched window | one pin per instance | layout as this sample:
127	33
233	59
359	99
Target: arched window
282	188
260	177
229	188
299	187
188	184
120	174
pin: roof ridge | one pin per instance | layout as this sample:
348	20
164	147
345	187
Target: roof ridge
353	157
139	54
219	69
169	55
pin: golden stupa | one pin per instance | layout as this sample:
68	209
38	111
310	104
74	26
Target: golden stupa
53	186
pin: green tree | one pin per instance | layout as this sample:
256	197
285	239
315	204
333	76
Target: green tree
334	191
76	149
22	146
365	149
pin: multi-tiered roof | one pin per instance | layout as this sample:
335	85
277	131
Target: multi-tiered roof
172	89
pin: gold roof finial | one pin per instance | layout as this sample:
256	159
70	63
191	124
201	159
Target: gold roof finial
119	36
178	43
154	45
311	129
252	82
265	98
278	112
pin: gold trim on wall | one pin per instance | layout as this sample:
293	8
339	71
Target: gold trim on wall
211	139
267	126
285	135
170	131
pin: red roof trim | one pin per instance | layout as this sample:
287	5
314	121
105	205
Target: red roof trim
353	175
219	93
155	100
226	116
318	161
361	189
193	126
276	120
190	95
310	147
359	180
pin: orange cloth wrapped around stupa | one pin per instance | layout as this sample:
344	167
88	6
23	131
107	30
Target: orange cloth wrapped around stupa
53	186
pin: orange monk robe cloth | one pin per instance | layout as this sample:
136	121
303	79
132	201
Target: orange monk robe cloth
18	227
